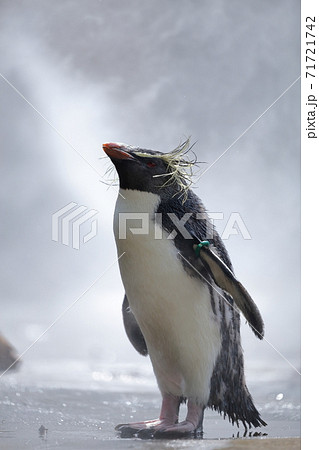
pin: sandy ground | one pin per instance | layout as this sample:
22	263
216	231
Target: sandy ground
45	418
264	443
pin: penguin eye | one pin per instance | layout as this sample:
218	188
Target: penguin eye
151	164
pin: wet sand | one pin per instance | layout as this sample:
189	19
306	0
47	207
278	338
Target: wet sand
69	405
267	444
41	418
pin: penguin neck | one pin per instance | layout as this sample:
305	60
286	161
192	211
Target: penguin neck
135	225
135	201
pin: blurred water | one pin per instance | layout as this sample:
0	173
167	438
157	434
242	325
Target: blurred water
75	404
147	73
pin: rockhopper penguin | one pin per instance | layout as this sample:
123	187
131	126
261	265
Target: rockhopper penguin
182	300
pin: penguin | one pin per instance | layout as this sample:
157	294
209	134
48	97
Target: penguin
182	300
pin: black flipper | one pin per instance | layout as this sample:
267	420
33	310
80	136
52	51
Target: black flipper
132	329
225	279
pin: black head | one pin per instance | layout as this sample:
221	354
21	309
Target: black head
164	174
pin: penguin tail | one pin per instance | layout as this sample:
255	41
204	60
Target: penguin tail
243	410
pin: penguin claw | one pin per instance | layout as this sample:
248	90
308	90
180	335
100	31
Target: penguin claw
147	433
176	435
119	426
183	430
126	431
143	430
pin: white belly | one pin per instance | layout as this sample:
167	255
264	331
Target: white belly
172	309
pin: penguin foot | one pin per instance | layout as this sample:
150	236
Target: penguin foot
146	429
182	430
191	427
143	430
137	425
167	426
159	429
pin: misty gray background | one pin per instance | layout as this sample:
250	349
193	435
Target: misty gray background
149	74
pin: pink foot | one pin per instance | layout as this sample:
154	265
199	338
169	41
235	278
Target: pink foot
166	427
192	426
139	425
146	429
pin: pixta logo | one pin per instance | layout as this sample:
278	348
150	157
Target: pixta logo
143	223
68	221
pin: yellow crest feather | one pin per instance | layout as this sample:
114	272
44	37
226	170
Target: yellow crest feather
179	169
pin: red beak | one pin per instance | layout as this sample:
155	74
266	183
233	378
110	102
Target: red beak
115	151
